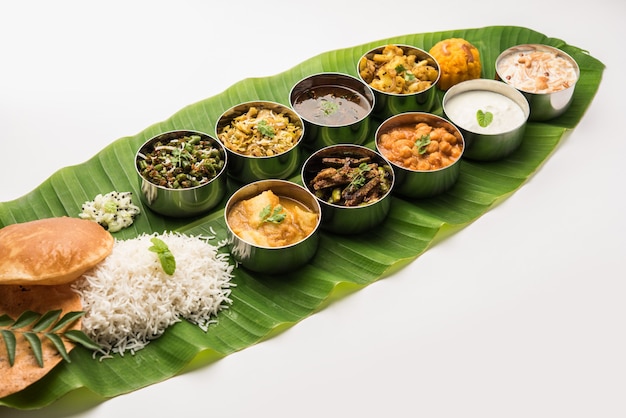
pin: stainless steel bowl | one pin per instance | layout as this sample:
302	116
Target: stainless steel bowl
247	168
320	129
389	104
415	183
266	259
508	107
184	202
549	103
343	219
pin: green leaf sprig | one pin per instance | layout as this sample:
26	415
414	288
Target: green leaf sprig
168	262
359	178
422	142
265	128
484	118
275	216
34	326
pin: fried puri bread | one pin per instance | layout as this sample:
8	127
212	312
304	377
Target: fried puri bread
15	300
51	251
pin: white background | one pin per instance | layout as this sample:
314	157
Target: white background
521	314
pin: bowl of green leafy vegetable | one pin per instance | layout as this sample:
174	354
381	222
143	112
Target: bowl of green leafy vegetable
182	173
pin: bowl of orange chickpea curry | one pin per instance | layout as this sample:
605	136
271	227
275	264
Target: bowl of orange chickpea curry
425	151
272	226
403	79
353	185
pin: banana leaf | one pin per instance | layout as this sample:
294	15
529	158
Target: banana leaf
264	305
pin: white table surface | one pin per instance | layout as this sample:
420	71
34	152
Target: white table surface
521	314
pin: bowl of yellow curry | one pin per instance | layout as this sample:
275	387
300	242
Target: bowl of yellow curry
262	139
272	226
403	79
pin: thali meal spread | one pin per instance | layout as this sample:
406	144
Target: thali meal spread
133	290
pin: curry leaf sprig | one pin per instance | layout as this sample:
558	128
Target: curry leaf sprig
34	326
168	262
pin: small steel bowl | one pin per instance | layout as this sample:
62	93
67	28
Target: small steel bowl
415	183
508	107
389	104
273	260
349	122
181	202
340	218
247	168
546	101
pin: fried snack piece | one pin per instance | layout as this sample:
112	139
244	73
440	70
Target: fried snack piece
15	300
51	251
458	61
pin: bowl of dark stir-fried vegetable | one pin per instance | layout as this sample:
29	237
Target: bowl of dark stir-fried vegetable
182	173
353	185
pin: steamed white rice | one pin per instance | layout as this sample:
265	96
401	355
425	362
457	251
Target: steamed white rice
129	300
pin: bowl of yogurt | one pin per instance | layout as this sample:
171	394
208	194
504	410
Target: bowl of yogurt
490	114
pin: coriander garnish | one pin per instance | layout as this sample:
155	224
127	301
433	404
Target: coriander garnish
484	118
275	216
422	142
328	107
165	255
265	128
359	179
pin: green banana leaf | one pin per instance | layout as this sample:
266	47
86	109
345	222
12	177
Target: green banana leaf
265	305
